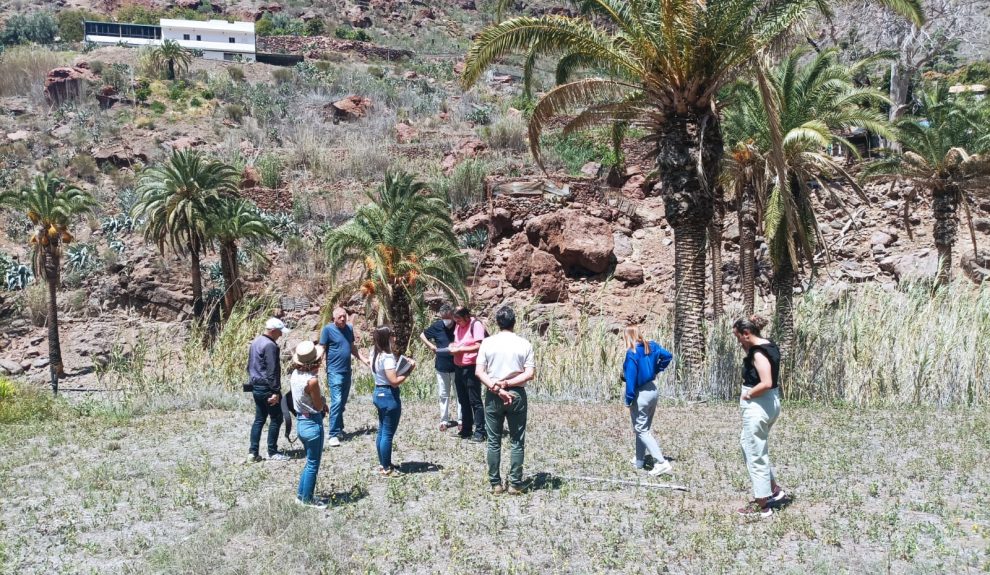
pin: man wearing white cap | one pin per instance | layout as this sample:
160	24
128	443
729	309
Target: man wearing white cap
265	377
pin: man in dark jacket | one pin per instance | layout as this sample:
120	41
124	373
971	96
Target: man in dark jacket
265	376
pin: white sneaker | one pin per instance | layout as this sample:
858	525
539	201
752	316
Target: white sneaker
662	468
279	457
315	503
334	442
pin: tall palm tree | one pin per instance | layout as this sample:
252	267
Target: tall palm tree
938	143
177	200
744	172
403	244
234	220
664	62
171	57
51	204
810	103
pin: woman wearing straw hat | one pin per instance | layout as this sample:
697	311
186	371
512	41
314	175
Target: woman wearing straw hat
310	406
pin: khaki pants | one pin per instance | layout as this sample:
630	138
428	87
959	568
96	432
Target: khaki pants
758	416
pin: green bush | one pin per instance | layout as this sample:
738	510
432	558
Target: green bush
22	403
314	27
348	33
207	94
39	28
195	102
270	169
481	115
157	107
283	75
138	14
84	167
466	184
70	23
236	73
264	26
234	112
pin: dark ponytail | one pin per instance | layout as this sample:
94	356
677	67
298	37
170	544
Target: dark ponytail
753	324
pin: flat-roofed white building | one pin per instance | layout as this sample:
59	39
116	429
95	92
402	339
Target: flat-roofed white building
218	39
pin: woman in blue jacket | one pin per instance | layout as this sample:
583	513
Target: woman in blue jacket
644	360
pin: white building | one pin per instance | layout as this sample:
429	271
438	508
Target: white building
218	39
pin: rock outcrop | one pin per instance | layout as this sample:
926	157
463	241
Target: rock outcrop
579	242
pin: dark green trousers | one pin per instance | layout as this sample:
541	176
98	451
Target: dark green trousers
496	412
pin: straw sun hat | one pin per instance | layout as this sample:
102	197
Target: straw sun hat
307	353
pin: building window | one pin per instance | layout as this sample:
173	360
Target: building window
185	36
228	56
231	40
198	37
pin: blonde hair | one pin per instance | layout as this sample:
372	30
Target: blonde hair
631	335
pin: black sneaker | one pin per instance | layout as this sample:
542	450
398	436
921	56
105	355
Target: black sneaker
478	438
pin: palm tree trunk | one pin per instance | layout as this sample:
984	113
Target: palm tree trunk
171	69
229	280
197	279
747	248
51	268
783	323
685	142
945	205
400	315
235	270
715	243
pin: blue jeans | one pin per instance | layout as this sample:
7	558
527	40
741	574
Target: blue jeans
340	388
310	429
263	411
386	399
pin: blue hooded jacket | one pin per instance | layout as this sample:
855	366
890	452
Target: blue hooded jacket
640	369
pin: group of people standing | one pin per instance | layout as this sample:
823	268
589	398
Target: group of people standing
468	358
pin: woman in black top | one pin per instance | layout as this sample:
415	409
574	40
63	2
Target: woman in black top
760	407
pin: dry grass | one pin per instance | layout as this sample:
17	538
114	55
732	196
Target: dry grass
23	70
93	489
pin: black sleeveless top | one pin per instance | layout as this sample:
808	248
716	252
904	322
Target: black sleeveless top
751	377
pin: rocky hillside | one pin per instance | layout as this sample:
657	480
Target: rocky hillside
583	239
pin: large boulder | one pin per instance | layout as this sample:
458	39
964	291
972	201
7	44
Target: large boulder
348	109
536	270
577	240
121	156
66	83
920	266
629	273
547	281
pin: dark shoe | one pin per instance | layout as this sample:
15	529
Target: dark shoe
516	490
755	510
497	489
478	438
254	458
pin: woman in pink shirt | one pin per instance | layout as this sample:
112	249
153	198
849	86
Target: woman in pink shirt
468	333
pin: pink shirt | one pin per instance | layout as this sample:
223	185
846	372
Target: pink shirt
469	334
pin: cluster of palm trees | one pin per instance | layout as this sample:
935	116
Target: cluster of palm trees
189	205
673	68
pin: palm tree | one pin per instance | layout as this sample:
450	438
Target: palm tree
744	172
665	63
177	201
810	104
937	144
233	220
51	204
403	244
171	57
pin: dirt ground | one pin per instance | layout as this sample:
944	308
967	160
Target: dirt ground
104	491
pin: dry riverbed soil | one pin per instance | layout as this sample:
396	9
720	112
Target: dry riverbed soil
91	489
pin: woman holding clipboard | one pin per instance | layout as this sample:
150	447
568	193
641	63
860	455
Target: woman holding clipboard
390	372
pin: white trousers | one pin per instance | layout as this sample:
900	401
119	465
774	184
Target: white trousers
758	416
445	382
641	413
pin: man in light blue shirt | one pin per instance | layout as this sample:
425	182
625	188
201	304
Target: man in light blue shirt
338	340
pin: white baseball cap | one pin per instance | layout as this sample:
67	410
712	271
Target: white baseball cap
275	323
